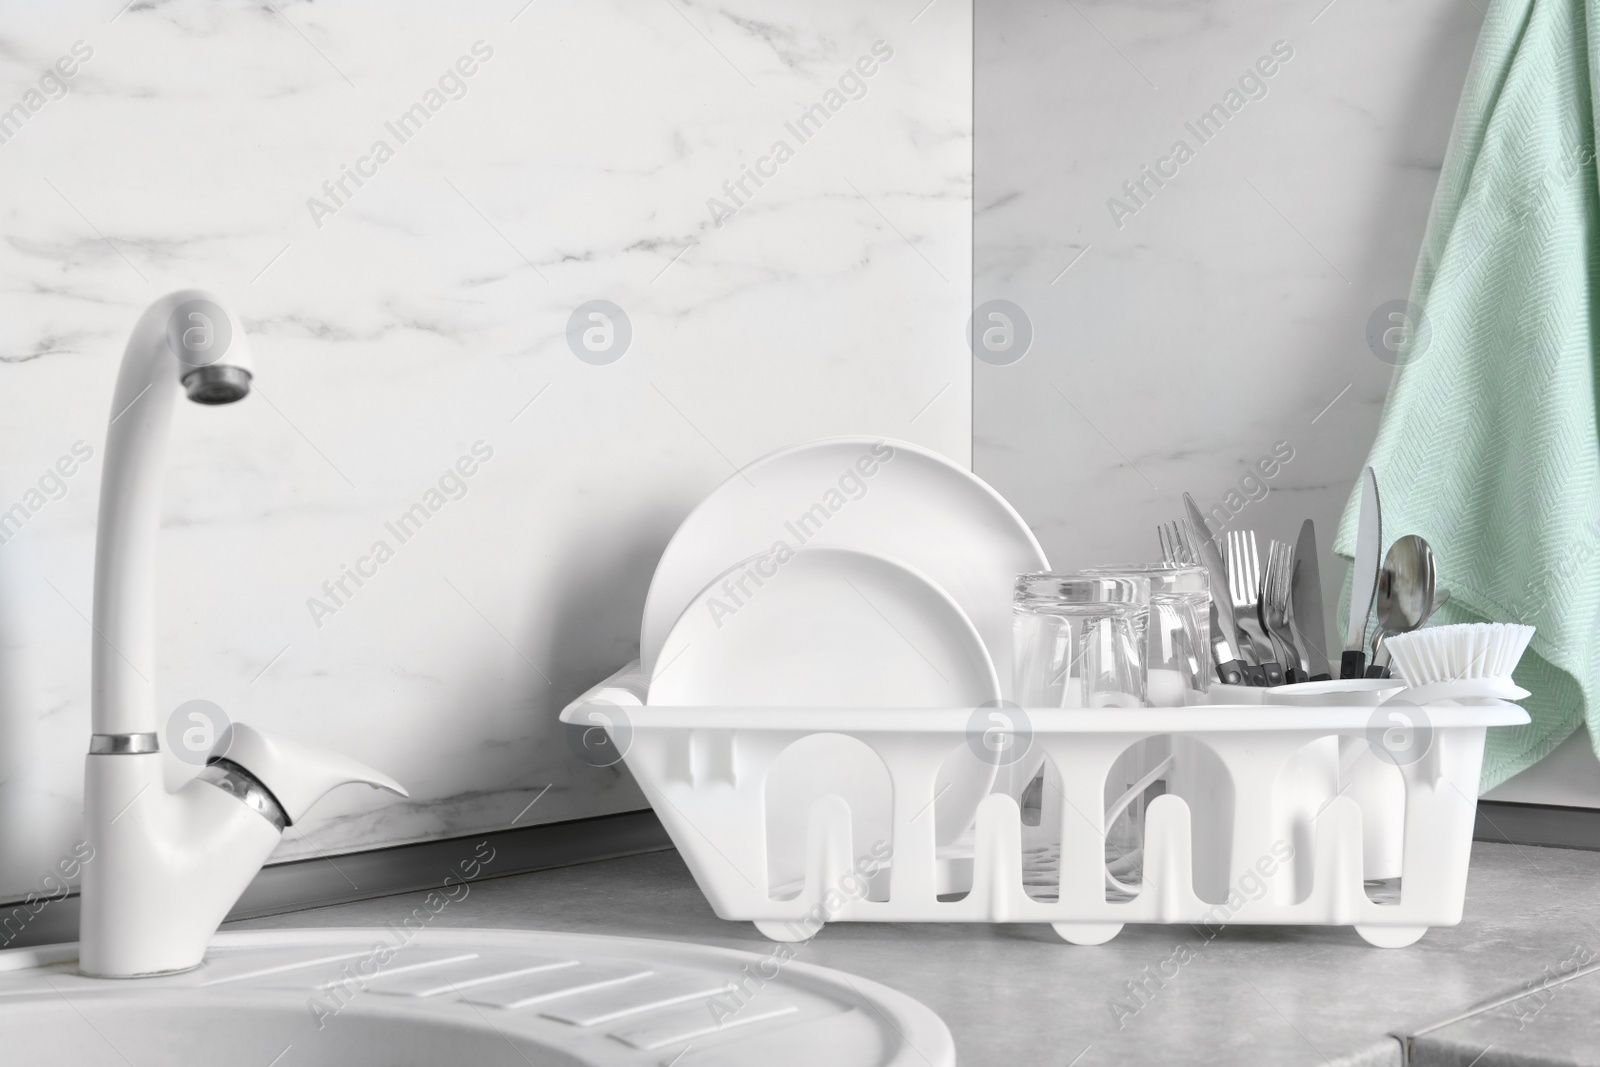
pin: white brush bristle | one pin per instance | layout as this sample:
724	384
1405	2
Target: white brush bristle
1452	653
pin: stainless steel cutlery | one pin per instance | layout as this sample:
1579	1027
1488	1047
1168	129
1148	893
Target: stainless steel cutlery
1407	595
1177	544
1224	640
1276	610
1363	578
1256	633
1244	590
1267	626
1305	598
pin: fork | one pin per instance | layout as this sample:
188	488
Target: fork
1177	544
1275	611
1244	590
1179	549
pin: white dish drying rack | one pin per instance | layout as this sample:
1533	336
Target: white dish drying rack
1253	829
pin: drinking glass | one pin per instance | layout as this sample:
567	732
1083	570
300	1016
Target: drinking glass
1174	649
1174	634
1075	640
1075	645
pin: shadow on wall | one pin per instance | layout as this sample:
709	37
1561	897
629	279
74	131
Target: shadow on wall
602	605
599	611
34	816
495	781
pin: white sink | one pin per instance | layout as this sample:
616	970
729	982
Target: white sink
393	996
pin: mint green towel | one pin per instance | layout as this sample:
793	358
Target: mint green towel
1488	444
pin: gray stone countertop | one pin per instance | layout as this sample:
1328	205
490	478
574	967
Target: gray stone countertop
1015	994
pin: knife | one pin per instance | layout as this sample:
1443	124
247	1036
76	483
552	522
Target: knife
1363	578
1305	606
1230	669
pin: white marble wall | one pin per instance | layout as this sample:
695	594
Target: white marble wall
1175	347
426	310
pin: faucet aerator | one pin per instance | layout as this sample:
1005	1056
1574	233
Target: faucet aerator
217	384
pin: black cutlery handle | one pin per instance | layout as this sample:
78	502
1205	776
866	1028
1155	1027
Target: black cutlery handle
1294	676
1376	671
1231	673
1273	672
1352	664
1324	677
1254	675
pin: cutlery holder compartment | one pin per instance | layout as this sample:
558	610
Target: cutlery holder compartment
1253	828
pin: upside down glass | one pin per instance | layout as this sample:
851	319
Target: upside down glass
1075	642
1174	634
1174	647
1075	645
1077	639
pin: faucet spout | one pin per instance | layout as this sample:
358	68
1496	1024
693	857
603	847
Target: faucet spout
185	341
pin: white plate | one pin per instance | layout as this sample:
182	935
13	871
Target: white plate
887	497
1357	692
833	627
823	626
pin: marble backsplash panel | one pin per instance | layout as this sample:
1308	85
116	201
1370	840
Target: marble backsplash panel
1201	207
411	205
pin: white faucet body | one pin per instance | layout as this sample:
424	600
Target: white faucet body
165	870
167	867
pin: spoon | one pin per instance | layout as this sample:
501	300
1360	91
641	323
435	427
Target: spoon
1407	592
1440	598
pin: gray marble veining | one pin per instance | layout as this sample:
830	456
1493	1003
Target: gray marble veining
408	277
1195	308
1551	1022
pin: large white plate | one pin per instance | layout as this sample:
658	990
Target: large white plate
881	496
833	627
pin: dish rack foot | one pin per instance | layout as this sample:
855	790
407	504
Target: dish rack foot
781	931
1087	933
1391	936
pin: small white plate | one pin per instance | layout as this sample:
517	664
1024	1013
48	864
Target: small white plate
823	627
833	627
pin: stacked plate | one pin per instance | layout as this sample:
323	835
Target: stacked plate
846	572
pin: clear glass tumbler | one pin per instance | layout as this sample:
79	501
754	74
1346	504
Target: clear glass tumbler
1174	634
1174	649
1075	640
1116	637
1075	645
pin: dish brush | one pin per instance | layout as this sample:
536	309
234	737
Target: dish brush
1467	660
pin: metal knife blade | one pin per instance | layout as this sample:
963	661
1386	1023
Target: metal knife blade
1223	628
1230	669
1363	573
1305	599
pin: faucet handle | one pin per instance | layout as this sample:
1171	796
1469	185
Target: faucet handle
297	775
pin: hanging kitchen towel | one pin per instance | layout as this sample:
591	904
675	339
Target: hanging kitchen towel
1488	444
